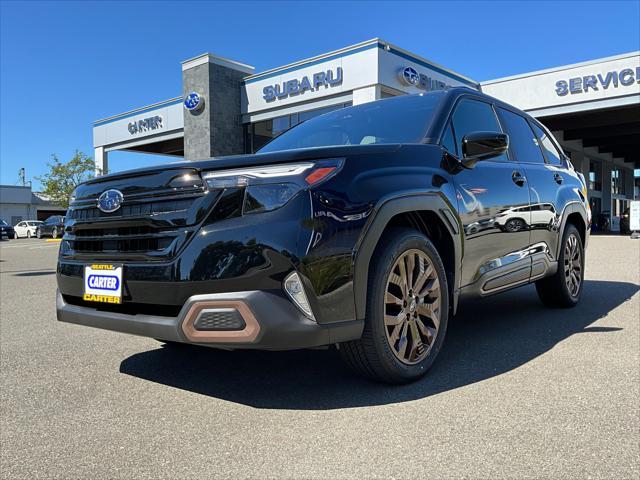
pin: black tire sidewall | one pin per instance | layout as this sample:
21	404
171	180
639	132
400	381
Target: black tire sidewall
563	284
399	243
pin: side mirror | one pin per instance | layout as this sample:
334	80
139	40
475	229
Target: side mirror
478	146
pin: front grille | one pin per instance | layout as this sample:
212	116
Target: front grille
149	225
134	210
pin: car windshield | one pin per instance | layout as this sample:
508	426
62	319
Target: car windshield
3	223
402	119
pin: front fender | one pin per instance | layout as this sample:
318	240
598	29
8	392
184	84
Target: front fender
384	211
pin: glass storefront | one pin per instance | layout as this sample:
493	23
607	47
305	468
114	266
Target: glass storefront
617	181
595	176
260	133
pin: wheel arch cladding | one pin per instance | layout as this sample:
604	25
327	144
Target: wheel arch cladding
577	221
431	214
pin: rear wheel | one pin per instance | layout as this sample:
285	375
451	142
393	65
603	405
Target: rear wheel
564	288
407	310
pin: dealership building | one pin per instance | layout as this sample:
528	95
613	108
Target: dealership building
593	108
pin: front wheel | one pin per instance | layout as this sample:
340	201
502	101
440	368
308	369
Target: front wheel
564	288
28	233
15	235
38	234
54	233
407	310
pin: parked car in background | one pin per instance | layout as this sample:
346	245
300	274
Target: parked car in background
6	230
26	229
624	222
52	227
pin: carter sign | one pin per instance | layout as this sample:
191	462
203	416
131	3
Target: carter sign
145	125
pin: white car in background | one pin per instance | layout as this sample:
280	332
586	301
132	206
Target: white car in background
26	228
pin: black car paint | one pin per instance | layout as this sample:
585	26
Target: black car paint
329	233
55	222
6	230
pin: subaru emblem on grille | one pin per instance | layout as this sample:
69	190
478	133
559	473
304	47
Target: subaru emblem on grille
110	200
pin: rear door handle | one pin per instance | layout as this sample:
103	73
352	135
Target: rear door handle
518	179
558	178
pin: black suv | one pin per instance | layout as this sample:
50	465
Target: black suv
361	228
52	227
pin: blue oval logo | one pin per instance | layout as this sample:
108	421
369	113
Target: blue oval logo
410	76
192	101
110	200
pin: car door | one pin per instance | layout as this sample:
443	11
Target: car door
493	201
20	229
544	181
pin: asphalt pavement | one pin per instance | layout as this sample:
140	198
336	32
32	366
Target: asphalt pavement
519	391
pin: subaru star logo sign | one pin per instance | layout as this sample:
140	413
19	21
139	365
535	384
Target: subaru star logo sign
110	200
192	102
410	76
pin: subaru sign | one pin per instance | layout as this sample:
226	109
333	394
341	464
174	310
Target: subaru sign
409	76
295	86
192	101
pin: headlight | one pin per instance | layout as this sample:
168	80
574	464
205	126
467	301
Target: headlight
272	186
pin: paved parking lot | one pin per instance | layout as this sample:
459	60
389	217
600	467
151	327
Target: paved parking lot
518	391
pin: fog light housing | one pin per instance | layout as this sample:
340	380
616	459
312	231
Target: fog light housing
295	290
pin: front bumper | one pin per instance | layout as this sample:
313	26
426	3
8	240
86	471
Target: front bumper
271	322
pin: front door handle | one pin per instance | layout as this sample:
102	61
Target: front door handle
518	179
558	178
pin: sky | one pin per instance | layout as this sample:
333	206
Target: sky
66	64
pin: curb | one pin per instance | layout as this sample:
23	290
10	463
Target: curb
53	240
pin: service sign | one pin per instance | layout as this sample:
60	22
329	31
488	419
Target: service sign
634	216
103	283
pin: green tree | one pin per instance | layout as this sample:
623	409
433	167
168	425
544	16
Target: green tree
58	183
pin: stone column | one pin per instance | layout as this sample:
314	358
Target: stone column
215	129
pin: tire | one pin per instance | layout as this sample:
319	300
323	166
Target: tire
54	233
38	233
28	233
381	354
564	288
15	235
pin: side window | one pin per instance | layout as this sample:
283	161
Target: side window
474	116
522	142
448	141
550	150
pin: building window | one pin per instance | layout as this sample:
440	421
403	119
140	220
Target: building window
617	181
258	134
595	176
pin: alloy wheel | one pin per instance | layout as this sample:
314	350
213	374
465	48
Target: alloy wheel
412	306
573	265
